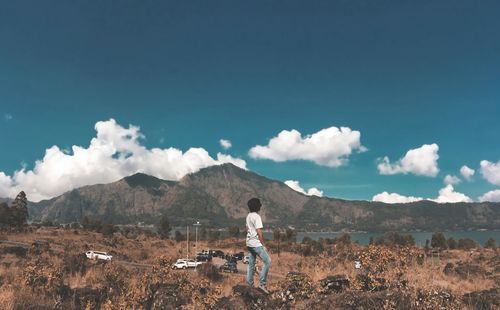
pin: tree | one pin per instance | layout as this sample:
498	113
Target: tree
291	234
164	227
234	231
19	210
491	243
438	240
452	243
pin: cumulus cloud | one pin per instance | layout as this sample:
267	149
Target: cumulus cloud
226	144
114	153
329	147
313	191
492	196
467	172
491	171
394	198
419	161
446	194
451	179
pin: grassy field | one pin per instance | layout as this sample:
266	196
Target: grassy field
46	269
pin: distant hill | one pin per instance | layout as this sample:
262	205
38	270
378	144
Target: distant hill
217	196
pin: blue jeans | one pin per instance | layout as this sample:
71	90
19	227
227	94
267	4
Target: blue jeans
261	252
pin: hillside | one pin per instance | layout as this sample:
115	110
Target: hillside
217	196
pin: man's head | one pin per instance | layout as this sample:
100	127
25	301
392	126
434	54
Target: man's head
254	205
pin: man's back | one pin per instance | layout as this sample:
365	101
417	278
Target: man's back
254	222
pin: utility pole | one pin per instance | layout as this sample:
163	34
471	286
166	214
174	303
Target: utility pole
196	235
187	242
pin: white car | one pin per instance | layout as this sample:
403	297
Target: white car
98	255
186	263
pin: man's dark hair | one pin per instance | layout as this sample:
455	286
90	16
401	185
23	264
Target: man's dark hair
254	205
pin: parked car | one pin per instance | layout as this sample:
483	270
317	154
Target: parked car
98	255
185	263
239	255
245	259
229	266
230	258
203	257
216	253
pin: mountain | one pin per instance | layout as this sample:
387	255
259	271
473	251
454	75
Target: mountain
217	196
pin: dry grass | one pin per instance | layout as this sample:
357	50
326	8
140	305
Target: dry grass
14	294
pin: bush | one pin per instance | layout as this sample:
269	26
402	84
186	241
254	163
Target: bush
466	244
452	243
210	272
491	243
438	240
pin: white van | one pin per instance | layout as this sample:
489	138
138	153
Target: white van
98	255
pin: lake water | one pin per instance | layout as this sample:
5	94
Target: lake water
420	237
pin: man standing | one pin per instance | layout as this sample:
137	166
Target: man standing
255	245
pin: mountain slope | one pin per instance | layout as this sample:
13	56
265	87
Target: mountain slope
217	196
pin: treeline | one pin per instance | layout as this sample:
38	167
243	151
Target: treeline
15	215
439	241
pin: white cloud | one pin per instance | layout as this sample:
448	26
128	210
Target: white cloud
313	191
451	179
492	196
5	184
394	198
226	144
448	194
114	153
491	171
7	117
467	172
419	161
329	147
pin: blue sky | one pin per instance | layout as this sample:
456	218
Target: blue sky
402	73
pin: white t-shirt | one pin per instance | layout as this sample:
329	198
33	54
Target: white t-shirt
254	222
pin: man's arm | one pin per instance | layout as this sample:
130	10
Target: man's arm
259	234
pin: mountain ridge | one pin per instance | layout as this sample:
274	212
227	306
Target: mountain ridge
217	196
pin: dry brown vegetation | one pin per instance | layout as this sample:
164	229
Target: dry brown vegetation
51	272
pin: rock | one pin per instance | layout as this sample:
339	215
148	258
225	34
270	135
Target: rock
168	296
245	297
336	283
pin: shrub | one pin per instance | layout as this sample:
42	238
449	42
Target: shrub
466	244
491	243
452	243
210	272
438	240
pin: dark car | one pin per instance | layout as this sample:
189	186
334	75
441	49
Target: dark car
216	253
203	257
239	255
229	266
